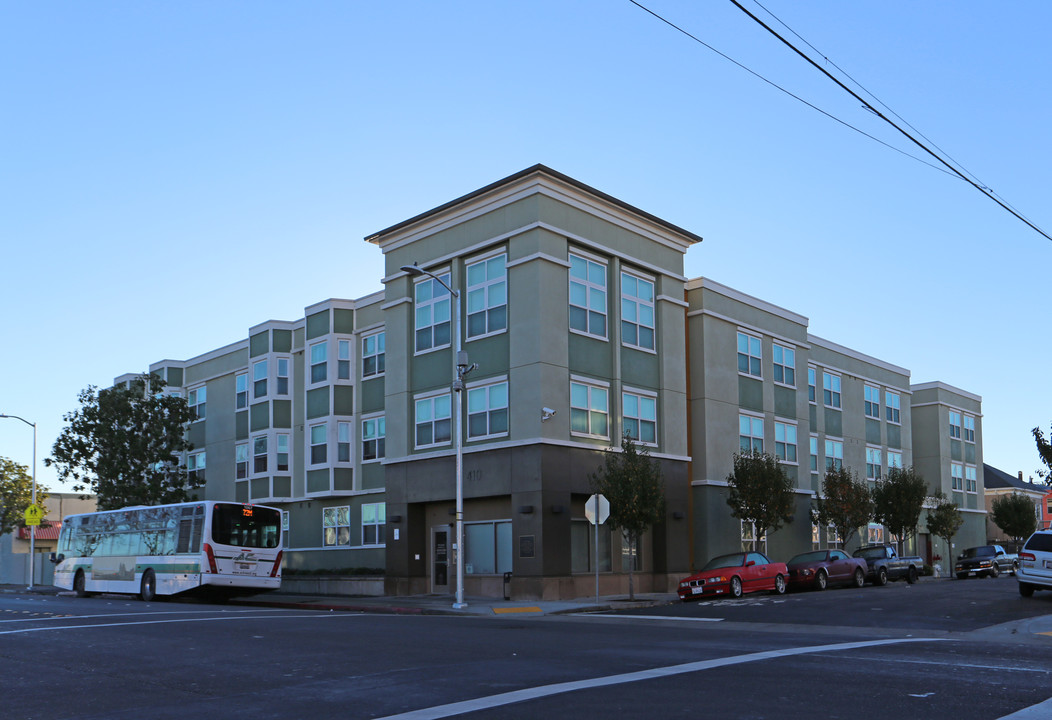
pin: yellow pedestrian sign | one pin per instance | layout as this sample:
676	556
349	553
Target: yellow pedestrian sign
34	515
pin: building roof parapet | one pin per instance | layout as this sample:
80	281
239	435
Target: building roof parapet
938	385
855	354
705	283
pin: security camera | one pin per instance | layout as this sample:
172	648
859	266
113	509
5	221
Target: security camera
546	414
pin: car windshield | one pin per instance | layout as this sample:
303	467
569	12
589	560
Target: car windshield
984	551
808	557
723	561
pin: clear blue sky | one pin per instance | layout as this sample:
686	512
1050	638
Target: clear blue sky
172	174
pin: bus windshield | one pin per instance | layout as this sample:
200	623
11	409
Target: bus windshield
246	525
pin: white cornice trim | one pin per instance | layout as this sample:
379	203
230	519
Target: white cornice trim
855	354
939	385
468	449
705	283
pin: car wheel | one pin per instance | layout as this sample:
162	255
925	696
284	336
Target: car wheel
148	588
79	584
860	578
962	576
1026	589
779	585
1015	567
821	580
995	571
882	577
736	587
911	575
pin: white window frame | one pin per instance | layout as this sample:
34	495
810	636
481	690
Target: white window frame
784	430
831	390
443	401
595	301
313	443
638	311
969	429
874	463
333	520
955	425
241	391
197	400
256	455
871	395
893	407
490	399
487	295
374	431
433	311
748	424
874	534
594	391
747	343
374	515
242	461
834	453
812	447
784	358
374	349
344	442
812	385
894	459
260	379
957	477
281	447
971	479
343	359
195	462
639	407
318	357
751	543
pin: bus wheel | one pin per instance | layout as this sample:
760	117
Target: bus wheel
79	584
148	589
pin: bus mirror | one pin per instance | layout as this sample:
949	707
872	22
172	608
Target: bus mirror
56	558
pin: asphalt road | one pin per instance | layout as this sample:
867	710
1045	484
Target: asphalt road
798	656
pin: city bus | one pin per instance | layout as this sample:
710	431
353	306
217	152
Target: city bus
220	548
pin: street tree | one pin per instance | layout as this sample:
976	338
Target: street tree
16	494
1016	515
846	503
944	520
760	492
631	481
126	444
898	499
1044	451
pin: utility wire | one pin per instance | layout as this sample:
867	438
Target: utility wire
985	191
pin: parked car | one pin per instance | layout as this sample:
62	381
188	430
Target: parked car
735	575
883	564
985	560
821	568
1035	564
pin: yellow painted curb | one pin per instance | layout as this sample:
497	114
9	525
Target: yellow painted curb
501	611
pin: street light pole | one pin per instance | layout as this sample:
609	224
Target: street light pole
462	369
32	528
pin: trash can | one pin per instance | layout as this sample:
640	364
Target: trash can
507	582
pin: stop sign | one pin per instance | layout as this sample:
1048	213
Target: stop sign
597	509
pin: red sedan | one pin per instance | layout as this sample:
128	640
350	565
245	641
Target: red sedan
735	575
821	568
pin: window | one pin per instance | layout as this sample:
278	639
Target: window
587	296
283	453
373	434
488	410
970	482
784	365
812	383
583	545
816	536
749	355
195	399
750	543
955	424
891	406
336	526
956	476
750	433
241	461
241	391
969	429
373	355
259	454
589	411
834	454
637	311
894	459
875	534
343	359
195	466
433	424
831	390
319	447
814	453
343	442
639	417
872	401
319	365
259	379
785	442
833	538
283	376
374	522
488	548
432	317
487	297
873	462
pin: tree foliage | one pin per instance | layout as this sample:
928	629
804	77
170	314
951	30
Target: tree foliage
760	492
631	481
846	503
16	494
898	500
125	444
944	520
1044	451
1015	515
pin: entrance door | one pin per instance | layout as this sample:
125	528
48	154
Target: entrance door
440	559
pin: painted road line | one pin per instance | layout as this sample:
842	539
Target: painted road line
516	696
184	620
1041	711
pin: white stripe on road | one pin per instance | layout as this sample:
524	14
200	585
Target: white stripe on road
666	618
66	616
1041	711
184	620
485	703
